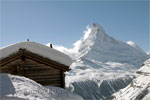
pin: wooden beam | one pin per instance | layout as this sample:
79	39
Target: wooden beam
45	61
45	77
40	74
48	82
63	79
10	58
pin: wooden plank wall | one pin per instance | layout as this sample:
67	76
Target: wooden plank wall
45	75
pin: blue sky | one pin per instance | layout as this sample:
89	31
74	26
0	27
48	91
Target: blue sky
63	22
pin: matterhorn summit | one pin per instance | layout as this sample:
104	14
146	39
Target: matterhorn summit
92	35
102	64
97	45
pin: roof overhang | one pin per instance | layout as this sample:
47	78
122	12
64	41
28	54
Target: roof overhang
38	58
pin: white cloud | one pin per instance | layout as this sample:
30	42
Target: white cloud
131	43
69	51
87	32
148	52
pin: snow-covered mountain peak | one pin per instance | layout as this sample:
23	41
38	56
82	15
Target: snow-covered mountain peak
97	26
93	36
98	46
93	32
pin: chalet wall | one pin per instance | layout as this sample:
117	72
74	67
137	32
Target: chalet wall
41	73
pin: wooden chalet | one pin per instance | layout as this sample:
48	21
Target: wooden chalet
38	62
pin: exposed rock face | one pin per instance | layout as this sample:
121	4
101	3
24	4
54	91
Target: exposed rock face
139	88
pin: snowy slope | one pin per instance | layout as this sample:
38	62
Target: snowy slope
37	49
134	45
101	63
139	88
20	88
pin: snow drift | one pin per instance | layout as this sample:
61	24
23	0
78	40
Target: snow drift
139	88
20	88
102	65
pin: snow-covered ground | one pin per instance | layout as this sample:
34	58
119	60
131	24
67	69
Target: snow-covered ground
102	65
20	88
139	88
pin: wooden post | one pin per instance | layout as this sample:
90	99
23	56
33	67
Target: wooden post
51	46
63	79
22	66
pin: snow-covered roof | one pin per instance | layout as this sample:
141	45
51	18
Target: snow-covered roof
36	48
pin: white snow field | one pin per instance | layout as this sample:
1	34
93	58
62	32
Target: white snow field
20	88
101	64
37	48
139	88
